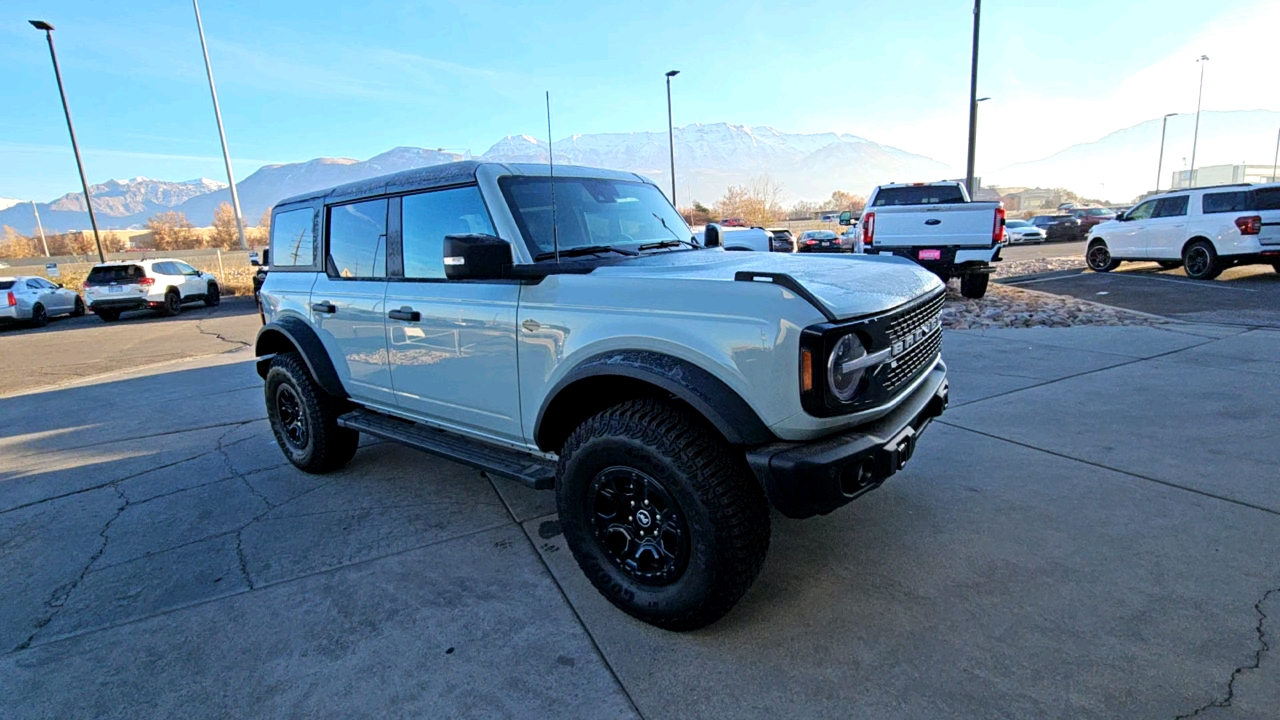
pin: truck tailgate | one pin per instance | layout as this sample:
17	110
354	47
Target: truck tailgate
958	225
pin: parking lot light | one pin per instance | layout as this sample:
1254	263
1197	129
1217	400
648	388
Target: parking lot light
1195	137
1164	124
671	136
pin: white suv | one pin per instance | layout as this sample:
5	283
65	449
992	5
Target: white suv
161	284
1205	230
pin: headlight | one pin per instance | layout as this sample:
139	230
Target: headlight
843	381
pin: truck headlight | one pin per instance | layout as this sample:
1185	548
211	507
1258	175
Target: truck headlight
844	372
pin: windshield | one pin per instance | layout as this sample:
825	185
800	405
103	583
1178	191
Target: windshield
591	212
919	195
1098	212
1016	223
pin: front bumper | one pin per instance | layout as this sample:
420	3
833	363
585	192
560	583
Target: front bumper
814	478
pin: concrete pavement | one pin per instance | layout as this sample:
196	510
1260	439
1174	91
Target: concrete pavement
1092	530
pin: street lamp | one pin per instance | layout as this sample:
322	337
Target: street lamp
1160	165
972	179
1275	160
1195	138
75	148
973	97
671	136
222	135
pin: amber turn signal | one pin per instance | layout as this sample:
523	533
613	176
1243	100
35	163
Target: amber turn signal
806	370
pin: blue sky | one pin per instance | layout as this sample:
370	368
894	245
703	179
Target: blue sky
299	80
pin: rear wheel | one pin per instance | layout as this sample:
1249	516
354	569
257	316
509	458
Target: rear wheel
1099	259
1200	261
213	296
1169	264
172	303
108	315
39	316
662	515
78	310
304	418
974	286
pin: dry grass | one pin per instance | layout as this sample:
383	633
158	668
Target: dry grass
232	280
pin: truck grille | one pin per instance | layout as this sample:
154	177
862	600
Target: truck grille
905	368
912	320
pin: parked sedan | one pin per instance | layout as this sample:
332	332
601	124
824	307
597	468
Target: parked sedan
1058	228
33	300
1022	232
820	241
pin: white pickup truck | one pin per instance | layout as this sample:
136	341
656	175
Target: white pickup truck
937	226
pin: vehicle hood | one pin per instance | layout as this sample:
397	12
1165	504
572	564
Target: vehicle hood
849	285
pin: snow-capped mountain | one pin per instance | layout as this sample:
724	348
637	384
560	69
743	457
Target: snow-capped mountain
117	203
6	203
1123	164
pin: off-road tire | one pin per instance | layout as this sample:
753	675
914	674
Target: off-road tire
325	446
78	310
721	504
1098	258
1200	261
39	316
974	286
172	304
213	295
107	315
1169	264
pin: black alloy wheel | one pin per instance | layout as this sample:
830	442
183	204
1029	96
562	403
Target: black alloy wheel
1201	262
1099	258
39	317
212	296
639	525
304	418
293	422
172	303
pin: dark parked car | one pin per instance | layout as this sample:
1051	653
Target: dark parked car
1059	228
783	240
1089	217
820	241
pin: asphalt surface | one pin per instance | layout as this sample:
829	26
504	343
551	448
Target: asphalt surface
1247	296
69	348
1043	250
1091	531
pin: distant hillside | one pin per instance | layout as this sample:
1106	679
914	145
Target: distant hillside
117	203
1122	165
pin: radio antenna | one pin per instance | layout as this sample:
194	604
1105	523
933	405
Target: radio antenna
551	161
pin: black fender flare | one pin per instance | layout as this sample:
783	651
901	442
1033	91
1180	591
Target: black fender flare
684	380
289	334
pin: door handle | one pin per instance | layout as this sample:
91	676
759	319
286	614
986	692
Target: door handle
405	313
324	307
531	325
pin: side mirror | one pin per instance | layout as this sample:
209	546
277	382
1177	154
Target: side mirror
61	286
846	218
476	257
1120	217
711	236
266	257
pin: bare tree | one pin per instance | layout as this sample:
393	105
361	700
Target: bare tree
16	245
225	234
759	202
170	230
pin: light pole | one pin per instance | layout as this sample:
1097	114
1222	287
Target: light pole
222	135
973	98
671	136
1275	160
1164	124
75	148
40	227
1195	138
972	179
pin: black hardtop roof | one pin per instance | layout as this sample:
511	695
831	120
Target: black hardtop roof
435	176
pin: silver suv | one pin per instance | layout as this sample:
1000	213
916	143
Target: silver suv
569	333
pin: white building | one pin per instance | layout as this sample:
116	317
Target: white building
1224	175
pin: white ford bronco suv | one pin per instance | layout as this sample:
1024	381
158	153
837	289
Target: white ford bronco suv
568	333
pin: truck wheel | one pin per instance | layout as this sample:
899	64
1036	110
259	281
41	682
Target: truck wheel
663	517
1099	259
304	418
212	296
1201	262
974	286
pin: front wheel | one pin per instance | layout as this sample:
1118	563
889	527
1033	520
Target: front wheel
212	296
304	418
1200	261
662	515
1099	258
974	286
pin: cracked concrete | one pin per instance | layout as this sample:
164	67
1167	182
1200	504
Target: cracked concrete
1090	533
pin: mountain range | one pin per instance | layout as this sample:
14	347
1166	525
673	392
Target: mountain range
709	158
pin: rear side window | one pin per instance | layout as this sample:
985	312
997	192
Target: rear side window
358	240
429	217
1234	201
1171	207
6	284
163	268
293	238
919	195
106	274
1266	199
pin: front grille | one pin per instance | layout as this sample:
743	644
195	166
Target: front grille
905	368
910	321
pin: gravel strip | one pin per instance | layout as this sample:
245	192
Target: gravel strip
1009	307
1013	268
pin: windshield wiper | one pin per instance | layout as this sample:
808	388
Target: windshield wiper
667	244
587	250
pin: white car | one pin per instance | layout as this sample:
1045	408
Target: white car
1205	230
161	284
1022	232
33	299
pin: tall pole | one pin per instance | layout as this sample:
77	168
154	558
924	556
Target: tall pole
222	135
40	227
1276	159
1195	138
1164	124
75	147
973	98
671	136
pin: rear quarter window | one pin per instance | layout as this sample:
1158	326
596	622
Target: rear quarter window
1234	201
1266	199
293	238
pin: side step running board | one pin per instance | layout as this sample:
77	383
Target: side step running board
538	473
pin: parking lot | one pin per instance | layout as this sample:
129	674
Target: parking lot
1092	530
